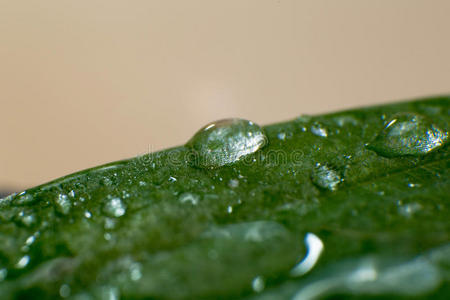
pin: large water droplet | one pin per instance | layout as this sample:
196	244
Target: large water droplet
325	177
225	142
115	208
408	134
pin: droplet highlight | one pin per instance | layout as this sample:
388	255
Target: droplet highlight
225	142
408	134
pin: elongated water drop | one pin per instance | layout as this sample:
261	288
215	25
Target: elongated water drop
189	198
325	177
224	142
408	134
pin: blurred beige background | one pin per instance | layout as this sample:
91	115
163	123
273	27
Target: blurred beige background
89	82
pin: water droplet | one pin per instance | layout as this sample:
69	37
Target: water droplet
281	136
107	236
26	219
23	262
30	240
107	293
87	215
345	120
225	142
135	271
63	204
23	199
233	183
255	232
230	209
413	185
314	247
3	274
408	209
109	223
189	198
319	130
172	179
115	208
258	284
325	177
408	134
64	291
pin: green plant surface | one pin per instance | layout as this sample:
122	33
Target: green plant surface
353	204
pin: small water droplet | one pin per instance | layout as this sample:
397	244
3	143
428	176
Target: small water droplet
107	236
225	142
26	219
172	179
64	291
408	134
281	136
23	262
325	177
30	240
23	199
319	130
109	223
346	120
230	209
413	185
409	209
189	198
233	183
107	293
87	214
135	271
63	204
115	208
3	274
258	284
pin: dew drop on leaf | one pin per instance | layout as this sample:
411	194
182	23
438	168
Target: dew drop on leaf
258	284
225	142
325	177
23	262
63	204
23	199
114	208
3	274
189	198
319	130
408	134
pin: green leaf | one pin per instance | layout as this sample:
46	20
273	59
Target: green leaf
351	204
